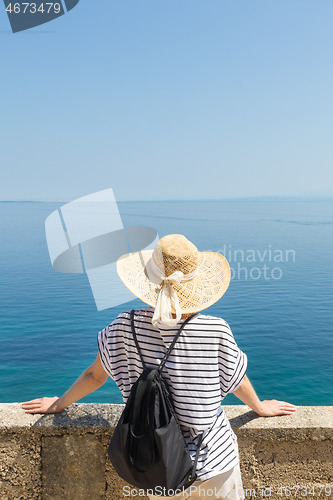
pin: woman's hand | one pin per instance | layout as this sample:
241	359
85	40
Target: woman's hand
42	405
269	408
272	407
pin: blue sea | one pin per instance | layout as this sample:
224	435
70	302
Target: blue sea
279	302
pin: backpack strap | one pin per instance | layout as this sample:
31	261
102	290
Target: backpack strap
201	436
194	468
138	422
136	340
161	366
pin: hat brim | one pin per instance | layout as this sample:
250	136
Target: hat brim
206	288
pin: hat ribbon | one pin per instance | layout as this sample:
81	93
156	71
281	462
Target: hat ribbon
167	297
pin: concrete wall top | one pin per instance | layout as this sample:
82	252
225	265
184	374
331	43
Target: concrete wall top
313	421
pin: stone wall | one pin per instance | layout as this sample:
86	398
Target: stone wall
63	456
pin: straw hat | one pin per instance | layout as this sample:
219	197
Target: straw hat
175	277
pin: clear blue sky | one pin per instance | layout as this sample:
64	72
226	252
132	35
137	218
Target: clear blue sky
163	99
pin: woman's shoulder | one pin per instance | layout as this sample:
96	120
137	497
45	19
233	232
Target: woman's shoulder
145	314
212	320
125	316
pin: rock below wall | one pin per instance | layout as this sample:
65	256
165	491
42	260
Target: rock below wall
64	456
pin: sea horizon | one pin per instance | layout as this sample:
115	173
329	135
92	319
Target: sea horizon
239	198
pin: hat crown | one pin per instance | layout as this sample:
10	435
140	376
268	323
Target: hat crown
174	252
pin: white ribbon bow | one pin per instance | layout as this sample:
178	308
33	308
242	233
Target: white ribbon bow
167	297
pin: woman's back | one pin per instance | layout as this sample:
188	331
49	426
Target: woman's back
204	365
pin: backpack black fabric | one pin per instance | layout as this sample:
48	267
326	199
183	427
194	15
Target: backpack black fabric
148	448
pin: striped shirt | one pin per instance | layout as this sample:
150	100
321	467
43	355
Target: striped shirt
204	366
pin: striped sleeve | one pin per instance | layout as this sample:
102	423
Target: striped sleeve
232	362
103	349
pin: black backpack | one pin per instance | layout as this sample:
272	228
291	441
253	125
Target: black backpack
148	448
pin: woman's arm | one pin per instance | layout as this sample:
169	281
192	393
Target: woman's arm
269	408
90	380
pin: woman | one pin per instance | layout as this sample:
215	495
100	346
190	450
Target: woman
204	366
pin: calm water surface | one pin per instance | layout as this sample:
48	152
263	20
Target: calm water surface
279	303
